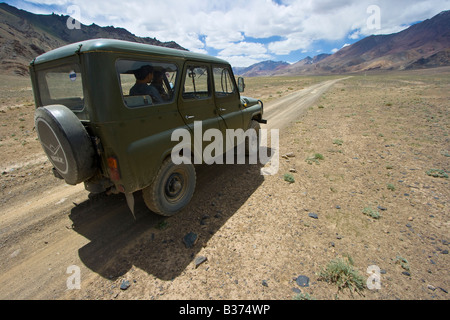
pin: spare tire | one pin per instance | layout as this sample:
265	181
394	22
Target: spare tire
66	143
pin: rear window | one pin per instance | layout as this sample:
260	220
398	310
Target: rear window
146	83
62	85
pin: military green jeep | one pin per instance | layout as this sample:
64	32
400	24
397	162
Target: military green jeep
106	111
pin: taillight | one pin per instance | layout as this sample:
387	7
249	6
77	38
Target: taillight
113	168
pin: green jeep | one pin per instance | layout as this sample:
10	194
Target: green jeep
106	111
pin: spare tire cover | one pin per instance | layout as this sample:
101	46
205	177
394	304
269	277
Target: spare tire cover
66	143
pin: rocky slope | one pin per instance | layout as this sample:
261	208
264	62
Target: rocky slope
24	35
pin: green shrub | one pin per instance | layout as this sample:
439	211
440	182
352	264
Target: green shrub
342	273
371	213
315	158
289	178
437	173
391	187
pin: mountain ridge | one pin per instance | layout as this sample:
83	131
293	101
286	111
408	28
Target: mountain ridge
423	45
24	35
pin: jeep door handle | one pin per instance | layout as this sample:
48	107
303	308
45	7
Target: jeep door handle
222	109
189	117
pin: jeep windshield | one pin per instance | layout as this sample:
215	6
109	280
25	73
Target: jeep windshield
61	85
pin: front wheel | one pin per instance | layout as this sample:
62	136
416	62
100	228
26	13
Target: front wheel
172	188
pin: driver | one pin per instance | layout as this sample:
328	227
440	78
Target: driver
144	76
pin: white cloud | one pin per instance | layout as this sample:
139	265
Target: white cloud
226	26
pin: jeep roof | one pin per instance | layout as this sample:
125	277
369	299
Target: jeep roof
112	45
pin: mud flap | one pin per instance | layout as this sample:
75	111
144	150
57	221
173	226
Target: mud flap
130	202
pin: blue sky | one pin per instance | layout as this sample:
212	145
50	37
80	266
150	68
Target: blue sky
245	32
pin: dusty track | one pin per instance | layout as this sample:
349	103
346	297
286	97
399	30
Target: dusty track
284	111
47	226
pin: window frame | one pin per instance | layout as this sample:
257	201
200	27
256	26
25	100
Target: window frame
45	92
223	94
192	64
152	62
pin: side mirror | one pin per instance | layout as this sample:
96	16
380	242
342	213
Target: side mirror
241	84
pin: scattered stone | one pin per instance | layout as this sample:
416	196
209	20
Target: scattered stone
406	273
313	215
382	208
264	283
199	260
190	239
290	155
302	281
292	170
431	287
444	251
125	285
410	218
297	290
443	290
338	207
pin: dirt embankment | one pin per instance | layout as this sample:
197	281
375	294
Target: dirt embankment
354	144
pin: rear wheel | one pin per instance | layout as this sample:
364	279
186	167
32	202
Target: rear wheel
172	189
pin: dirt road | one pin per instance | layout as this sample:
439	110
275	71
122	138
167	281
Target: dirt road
285	111
47	227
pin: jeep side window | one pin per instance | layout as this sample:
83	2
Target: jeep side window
196	85
146	83
223	84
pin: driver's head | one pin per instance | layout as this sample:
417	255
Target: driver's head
143	72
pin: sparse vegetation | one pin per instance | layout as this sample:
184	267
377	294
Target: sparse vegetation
369	211
162	225
342	273
437	173
303	296
289	178
403	263
315	158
